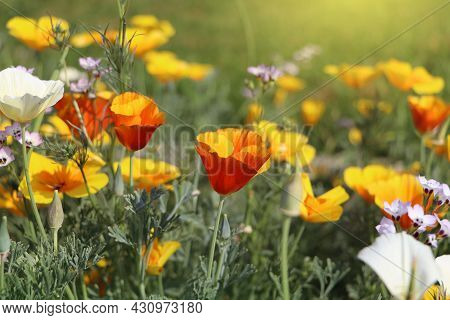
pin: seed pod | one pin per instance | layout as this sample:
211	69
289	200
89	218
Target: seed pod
55	212
5	241
118	182
225	229
291	196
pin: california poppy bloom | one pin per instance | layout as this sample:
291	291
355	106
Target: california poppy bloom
287	84
311	111
353	76
95	112
161	252
136	117
231	157
428	112
38	34
48	176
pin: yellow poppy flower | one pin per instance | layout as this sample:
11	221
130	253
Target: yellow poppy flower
287	84
165	66
160	254
40	34
150	22
56	126
355	136
311	111
353	76
404	187
254	113
359	179
198	71
48	176
148	173
286	146
10	201
324	208
404	77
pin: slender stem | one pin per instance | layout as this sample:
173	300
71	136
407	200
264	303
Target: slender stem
212	248
55	240
83	287
88	190
220	263
284	258
69	293
30	189
2	273
161	285
422	150
131	170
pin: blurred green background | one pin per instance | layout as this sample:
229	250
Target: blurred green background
233	34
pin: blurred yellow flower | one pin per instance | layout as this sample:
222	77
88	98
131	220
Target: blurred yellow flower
288	146
440	146
254	113
355	136
160	254
198	71
10	201
353	76
48	176
165	66
324	208
311	111
148	173
287	84
56	126
366	107
404	77
40	34
360	179
150	22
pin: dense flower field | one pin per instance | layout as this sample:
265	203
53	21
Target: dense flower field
131	174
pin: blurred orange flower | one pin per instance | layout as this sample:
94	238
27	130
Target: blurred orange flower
311	111
95	113
231	157
161	252
428	112
404	77
10	201
136	117
254	113
38	34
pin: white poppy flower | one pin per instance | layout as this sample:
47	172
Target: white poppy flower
443	263
405	265
23	96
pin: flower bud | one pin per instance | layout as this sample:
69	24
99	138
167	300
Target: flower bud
55	213
118	182
291	196
225	229
5	241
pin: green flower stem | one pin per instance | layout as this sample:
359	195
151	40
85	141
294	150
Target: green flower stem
220	263
69	293
161	285
88	190
30	189
55	240
2	274
284	258
131	170
212	248
83	287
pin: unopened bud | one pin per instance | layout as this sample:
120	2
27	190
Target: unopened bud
118	182
291	196
5	241
55	212
225	230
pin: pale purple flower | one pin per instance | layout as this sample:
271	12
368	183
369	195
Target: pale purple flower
444	194
3	137
22	68
82	85
6	156
420	219
265	73
429	185
386	226
32	139
397	209
89	63
14	130
445	228
432	240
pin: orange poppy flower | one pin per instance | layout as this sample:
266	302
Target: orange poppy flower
136	117
428	112
231	157
95	112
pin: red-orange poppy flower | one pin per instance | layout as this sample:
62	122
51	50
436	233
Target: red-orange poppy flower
428	112
231	157
136	117
95	112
